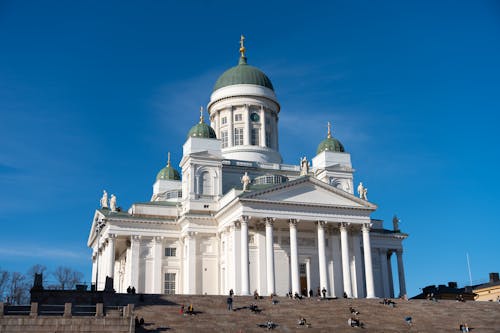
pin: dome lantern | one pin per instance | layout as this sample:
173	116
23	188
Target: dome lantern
202	130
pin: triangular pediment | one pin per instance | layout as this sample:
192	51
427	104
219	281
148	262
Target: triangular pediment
307	190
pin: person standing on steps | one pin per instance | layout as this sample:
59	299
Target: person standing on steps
229	303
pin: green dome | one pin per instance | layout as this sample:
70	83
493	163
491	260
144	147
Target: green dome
202	130
330	144
243	74
168	173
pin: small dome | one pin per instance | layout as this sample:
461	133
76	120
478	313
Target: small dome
168	173
330	144
243	74
202	130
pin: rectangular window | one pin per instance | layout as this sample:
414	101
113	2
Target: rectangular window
302	269
169	284
268	139
223	120
238	117
170	252
255	136
224	139
238	136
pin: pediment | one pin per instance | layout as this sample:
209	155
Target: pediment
307	190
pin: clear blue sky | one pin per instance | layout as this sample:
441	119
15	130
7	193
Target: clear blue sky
94	94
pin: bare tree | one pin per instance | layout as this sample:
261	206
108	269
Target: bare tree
67	277
18	288
4	281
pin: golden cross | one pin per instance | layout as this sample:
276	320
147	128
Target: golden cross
201	114
242	46
168	159
329	130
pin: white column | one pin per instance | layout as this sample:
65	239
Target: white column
190	277
308	274
401	273
294	257
358	266
111	257
262	127
323	277
135	245
337	264
389	269
230	128
384	271
236	257
94	266
157	264
271	288
245	278
248	131
367	249
346	269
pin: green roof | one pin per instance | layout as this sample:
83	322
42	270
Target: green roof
202	130
168	173
330	144
243	74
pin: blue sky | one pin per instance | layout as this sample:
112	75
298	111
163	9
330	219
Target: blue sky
94	94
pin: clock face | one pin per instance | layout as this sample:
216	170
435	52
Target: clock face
254	117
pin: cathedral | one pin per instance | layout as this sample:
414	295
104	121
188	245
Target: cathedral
236	217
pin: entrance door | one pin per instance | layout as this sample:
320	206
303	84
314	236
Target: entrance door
303	279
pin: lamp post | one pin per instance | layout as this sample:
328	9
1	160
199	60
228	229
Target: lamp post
99	226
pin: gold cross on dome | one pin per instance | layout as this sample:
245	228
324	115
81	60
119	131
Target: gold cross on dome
329	135
242	45
201	114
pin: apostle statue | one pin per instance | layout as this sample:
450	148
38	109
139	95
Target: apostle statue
245	180
304	166
362	191
112	203
104	199
395	223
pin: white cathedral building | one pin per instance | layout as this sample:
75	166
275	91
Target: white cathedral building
237	217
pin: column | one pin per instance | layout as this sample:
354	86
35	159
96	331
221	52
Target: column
248	131
236	257
367	249
135	244
401	273
245	278
94	266
230	128
337	286
346	270
357	281
190	267
308	274
157	264
383	269
294	256
323	277
389	269
271	288
111	255
262	127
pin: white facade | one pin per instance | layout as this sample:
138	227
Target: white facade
294	229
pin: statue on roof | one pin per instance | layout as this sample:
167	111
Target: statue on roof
304	166
104	199
362	191
112	203
245	180
395	223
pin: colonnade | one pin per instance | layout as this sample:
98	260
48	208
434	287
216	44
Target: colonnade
343	256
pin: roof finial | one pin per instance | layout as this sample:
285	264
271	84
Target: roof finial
329	135
168	159
242	46
201	115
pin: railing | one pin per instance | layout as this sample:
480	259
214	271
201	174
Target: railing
17	310
50	310
83	310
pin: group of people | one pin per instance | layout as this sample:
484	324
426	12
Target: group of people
464	328
353	320
139	322
389	302
460	298
130	290
303	322
190	310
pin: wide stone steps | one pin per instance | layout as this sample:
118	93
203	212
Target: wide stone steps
161	313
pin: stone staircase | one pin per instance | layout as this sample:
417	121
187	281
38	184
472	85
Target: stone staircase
161	314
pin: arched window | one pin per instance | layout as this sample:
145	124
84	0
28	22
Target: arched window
206	184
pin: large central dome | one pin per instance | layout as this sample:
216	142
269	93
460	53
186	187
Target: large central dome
243	74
